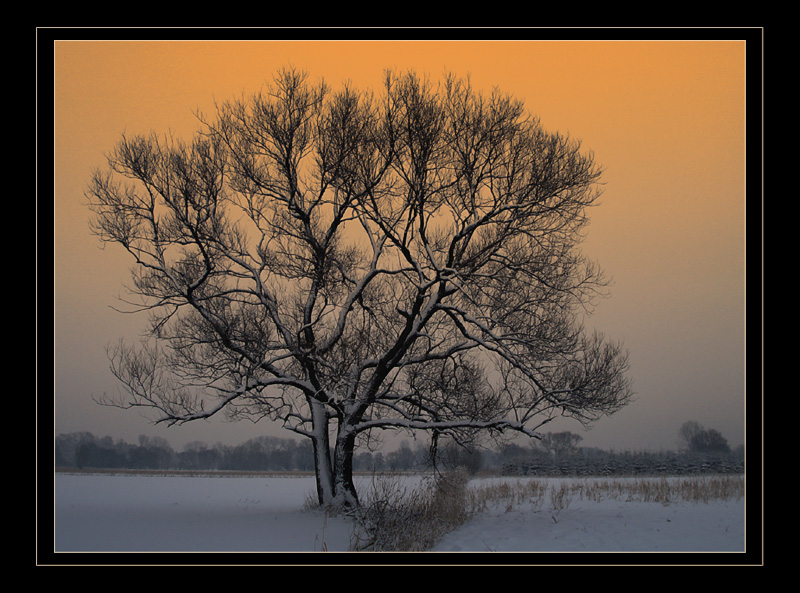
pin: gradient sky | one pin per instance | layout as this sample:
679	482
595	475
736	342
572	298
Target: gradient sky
665	119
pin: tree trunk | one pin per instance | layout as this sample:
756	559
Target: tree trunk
334	474
344	489
322	454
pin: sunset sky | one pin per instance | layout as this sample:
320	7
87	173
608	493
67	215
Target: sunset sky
665	119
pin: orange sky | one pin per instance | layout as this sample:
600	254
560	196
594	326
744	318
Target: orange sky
664	118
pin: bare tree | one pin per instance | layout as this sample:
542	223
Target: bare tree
344	263
689	431
561	443
698	439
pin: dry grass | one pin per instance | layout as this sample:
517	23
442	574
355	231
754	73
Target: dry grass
398	519
663	490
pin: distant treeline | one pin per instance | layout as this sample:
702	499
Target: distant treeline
601	463
83	450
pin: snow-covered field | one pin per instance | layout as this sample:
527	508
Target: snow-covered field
140	513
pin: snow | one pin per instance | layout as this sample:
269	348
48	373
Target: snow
606	526
141	513
172	514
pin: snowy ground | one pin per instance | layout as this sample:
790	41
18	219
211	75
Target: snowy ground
124	513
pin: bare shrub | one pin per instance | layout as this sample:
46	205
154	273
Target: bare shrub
395	518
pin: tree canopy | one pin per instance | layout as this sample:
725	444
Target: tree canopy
344	262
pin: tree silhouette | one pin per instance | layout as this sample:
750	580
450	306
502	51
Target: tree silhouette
345	263
702	440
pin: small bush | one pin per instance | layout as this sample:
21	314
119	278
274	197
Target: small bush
395	519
